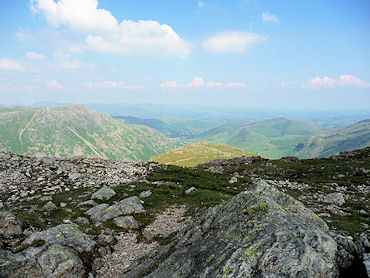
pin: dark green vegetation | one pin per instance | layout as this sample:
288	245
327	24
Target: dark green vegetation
174	128
280	137
76	131
197	153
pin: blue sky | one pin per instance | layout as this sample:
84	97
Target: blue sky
253	53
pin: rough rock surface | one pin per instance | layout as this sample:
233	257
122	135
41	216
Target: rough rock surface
334	198
63	234
126	222
10	225
260	233
104	193
103	212
51	261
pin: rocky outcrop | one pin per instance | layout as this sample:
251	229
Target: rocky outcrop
262	232
104	212
104	193
57	252
10	225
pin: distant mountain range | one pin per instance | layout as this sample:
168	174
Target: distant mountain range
77	131
175	128
289	137
333	141
200	152
65	131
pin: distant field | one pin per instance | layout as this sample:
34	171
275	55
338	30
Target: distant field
200	152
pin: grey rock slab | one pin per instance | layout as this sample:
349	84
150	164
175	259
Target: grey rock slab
98	212
49	206
103	212
63	234
52	261
145	194
126	222
10	225
261	232
104	193
334	198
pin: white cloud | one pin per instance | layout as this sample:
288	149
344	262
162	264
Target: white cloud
170	84
343	81
232	42
8	64
197	82
113	85
267	17
104	33
35	56
54	84
201	4
230	85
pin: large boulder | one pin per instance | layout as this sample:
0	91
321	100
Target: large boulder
51	261
104	193
64	234
103	212
262	232
10	225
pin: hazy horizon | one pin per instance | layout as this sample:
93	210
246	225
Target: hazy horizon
245	53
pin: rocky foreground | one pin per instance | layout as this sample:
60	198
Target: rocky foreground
99	218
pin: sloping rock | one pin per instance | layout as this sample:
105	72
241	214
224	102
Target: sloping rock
52	261
10	225
262	232
104	193
145	194
127	206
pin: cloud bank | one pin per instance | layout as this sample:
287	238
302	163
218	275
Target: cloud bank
232	42
104	33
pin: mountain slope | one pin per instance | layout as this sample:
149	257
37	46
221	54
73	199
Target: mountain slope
337	140
197	153
273	138
175	128
75	130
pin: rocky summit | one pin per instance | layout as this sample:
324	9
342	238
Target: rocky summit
242	217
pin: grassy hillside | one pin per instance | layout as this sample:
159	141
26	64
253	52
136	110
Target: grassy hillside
201	152
333	141
76	131
271	138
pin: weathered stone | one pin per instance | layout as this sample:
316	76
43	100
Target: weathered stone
148	234
97	213
104	193
82	221
233	180
44	262
46	198
10	225
126	222
334	198
63	234
127	206
262	232
145	194
49	206
190	190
